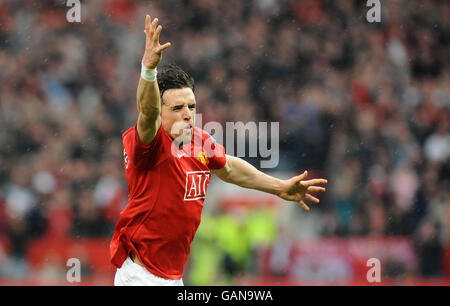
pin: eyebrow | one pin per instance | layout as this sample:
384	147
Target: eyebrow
182	104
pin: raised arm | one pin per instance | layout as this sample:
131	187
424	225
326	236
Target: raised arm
241	173
148	97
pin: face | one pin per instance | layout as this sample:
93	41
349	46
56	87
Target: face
178	113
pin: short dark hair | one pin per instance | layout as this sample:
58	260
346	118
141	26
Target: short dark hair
173	77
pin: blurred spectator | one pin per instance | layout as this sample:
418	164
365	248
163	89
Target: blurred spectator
429	249
88	220
365	105
280	257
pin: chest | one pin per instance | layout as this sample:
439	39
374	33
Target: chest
192	177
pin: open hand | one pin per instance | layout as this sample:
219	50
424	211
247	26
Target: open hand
297	189
153	49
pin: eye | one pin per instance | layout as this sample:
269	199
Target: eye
192	106
178	107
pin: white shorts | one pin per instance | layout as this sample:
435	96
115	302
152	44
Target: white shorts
132	274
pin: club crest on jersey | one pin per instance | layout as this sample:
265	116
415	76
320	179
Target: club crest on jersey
202	158
196	183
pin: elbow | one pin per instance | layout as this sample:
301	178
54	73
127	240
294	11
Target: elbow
226	173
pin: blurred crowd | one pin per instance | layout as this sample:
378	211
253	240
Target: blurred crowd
366	105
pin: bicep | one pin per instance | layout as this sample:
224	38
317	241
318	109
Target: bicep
225	172
147	127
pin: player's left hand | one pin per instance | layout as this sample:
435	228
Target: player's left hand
298	189
153	49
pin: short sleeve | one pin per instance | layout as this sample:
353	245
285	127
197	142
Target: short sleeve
215	152
219	159
140	154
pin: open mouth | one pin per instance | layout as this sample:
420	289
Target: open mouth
187	130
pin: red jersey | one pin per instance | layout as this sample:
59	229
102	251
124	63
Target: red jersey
166	189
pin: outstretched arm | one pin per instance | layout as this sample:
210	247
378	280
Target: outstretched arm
241	173
148	97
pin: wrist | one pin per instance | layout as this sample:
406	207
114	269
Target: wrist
280	186
148	74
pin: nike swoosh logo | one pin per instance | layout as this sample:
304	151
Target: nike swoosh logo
181	155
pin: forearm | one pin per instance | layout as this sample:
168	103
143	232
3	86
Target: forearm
148	96
241	173
148	99
149	107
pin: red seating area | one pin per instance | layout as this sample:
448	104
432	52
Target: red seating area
95	251
93	254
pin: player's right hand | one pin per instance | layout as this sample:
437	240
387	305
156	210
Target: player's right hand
153	49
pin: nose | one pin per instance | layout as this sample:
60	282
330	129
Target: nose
187	114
